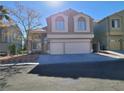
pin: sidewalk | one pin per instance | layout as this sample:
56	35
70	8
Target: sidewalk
114	54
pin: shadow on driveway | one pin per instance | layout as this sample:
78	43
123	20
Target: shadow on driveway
104	70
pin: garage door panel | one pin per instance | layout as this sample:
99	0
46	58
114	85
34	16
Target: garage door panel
69	47
56	48
73	48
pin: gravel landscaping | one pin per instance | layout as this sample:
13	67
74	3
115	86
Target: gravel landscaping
32	58
7	72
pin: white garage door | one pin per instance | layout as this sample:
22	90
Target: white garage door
56	48
76	48
70	48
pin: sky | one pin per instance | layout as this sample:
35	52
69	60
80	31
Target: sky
96	9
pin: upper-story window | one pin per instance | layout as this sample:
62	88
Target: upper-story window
81	24
115	23
59	23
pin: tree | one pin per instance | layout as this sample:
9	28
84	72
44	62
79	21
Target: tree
26	18
3	14
5	20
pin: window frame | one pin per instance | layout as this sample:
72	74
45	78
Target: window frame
81	25
115	25
59	24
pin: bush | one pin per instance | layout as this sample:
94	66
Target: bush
12	49
19	51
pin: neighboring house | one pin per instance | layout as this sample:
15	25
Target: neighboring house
10	35
109	32
37	42
69	32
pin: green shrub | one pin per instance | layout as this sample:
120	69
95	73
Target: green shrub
19	51
12	49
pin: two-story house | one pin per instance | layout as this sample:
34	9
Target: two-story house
10	35
69	32
109	32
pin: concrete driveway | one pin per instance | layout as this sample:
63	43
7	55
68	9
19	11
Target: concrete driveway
64	77
83	72
72	58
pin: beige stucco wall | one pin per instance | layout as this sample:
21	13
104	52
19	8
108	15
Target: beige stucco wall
71	21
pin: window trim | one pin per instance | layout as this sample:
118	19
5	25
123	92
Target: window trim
118	24
60	24
84	24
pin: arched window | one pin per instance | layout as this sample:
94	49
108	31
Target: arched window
59	22
81	24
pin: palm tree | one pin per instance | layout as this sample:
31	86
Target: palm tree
3	15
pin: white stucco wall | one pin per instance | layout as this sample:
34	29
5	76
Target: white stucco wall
75	36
